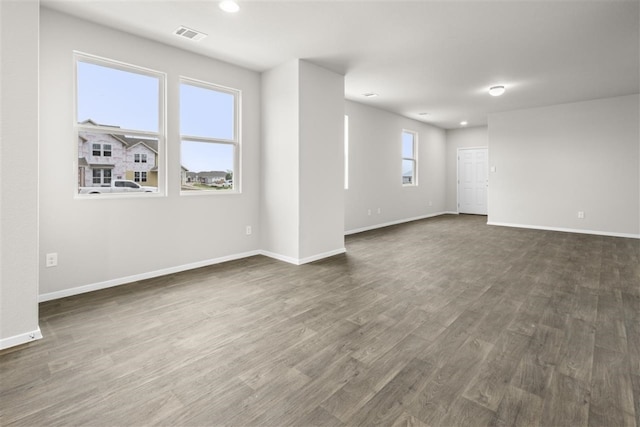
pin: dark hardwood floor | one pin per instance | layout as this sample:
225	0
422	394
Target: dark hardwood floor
439	322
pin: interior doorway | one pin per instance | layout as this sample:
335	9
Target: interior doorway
473	180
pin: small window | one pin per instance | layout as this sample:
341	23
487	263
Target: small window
140	176
346	152
209	137
96	150
106	150
139	158
143	176
101	177
409	158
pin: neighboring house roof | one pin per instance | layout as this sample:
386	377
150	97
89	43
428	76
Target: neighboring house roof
212	174
128	141
151	144
91	122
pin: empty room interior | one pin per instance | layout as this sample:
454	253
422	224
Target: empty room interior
320	213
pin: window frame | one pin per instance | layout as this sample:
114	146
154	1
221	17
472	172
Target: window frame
160	135
235	142
413	159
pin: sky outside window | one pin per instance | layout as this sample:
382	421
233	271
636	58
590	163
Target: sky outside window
207	113
113	97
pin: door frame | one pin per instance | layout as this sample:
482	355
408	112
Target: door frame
458	174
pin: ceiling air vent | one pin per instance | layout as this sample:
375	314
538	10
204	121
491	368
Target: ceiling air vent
190	34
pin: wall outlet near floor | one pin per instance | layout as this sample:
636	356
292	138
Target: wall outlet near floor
581	214
368	211
379	211
51	260
248	230
430	203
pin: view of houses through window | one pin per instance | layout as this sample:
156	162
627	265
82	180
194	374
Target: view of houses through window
209	141
120	140
119	111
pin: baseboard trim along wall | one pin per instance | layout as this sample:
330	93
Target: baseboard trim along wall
300	261
400	221
566	230
136	277
20	339
150	275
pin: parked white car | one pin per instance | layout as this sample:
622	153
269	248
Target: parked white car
118	186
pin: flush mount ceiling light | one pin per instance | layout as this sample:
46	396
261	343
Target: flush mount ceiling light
423	114
464	123
496	90
370	95
229	6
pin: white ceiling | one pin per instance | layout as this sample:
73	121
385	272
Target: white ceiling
438	57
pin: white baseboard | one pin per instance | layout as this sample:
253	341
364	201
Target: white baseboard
280	257
136	277
400	221
566	230
20	339
300	261
323	255
157	273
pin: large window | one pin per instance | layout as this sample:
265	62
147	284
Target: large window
409	158
210	142
119	112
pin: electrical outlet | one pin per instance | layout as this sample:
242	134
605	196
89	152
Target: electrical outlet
430	203
379	211
51	260
580	214
248	230
368	211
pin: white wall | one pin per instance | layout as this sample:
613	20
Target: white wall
18	172
375	172
279	174
321	161
473	137
104	242
555	161
302	167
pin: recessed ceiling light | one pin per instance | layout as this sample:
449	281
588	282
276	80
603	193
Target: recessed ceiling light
423	114
229	6
496	90
464	123
370	94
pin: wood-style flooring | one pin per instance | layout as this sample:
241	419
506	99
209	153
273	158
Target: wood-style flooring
439	322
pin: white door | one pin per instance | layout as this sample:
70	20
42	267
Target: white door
473	180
